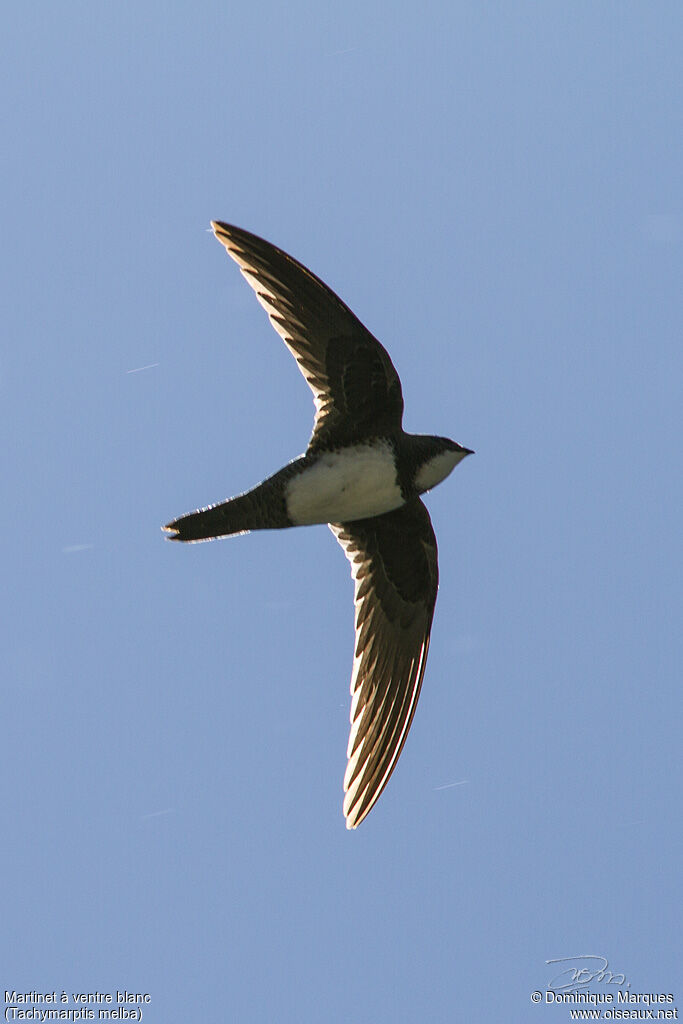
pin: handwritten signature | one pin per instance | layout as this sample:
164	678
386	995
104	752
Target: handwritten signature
581	971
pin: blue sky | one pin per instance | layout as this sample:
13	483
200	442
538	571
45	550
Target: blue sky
495	189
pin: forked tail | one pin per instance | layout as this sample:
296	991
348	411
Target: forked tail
263	508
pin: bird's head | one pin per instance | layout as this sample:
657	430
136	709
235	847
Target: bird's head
438	456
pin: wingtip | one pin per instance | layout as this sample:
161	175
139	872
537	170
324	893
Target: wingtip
352	818
227	235
220	229
354	813
349	811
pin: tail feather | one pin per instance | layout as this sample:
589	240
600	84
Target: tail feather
208	523
263	508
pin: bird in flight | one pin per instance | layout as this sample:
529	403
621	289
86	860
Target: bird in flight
363	475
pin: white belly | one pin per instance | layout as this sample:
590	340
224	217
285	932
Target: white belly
342	486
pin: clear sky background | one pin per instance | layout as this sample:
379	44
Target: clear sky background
496	190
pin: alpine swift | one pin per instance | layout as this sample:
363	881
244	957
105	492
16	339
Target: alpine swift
363	475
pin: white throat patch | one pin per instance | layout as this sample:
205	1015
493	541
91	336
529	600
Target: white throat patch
437	469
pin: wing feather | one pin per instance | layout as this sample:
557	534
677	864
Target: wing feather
394	565
353	380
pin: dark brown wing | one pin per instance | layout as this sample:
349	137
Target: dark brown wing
394	565
355	386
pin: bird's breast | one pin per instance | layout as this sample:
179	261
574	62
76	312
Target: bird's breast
338	487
